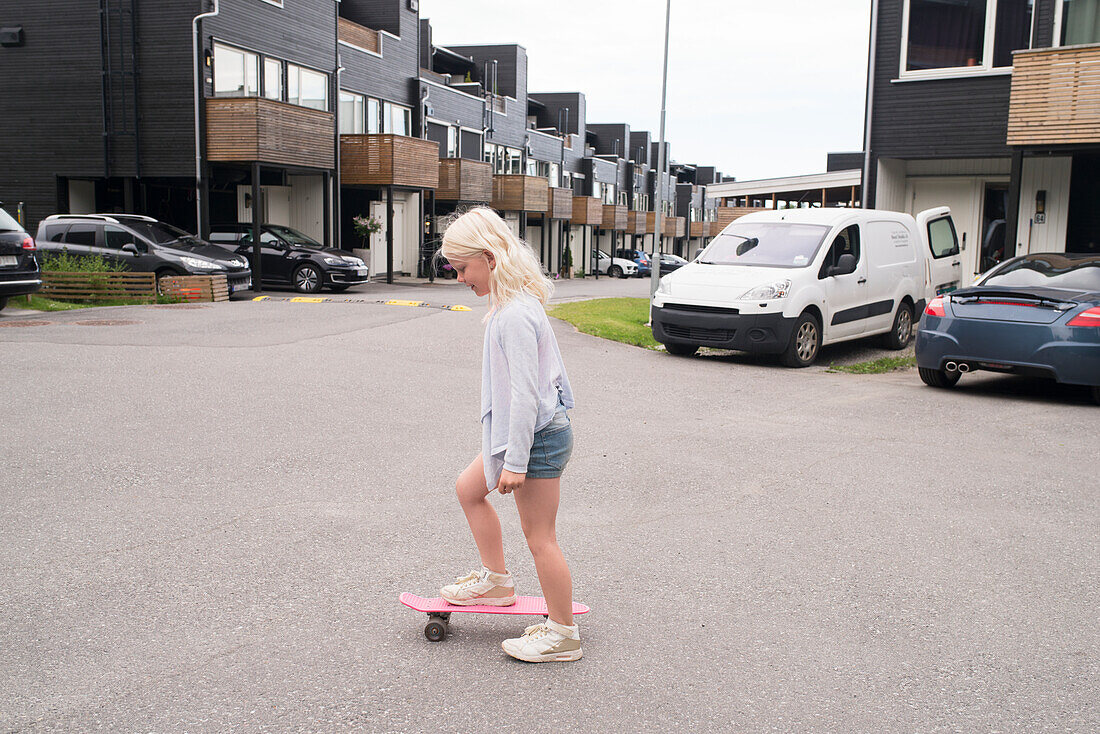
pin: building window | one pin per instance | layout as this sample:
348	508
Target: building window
555	173
966	35
273	79
236	72
353	109
452	141
1080	21
374	116
623	198
306	87
396	120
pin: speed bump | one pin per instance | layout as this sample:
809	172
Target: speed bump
391	302
304	299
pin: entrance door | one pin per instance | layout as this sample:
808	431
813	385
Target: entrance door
1083	227
994	235
378	241
963	196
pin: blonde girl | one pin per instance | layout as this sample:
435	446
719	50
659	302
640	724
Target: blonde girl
527	436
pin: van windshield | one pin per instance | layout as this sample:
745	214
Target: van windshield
766	244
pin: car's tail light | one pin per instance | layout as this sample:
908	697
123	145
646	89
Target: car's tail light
28	243
1087	318
935	307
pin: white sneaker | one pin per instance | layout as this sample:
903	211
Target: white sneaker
548	642
481	587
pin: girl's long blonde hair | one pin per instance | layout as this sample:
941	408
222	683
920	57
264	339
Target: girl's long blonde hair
517	270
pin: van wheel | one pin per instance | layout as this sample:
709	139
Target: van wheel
682	350
805	342
938	378
901	333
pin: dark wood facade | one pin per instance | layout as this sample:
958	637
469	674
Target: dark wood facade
463	180
389	160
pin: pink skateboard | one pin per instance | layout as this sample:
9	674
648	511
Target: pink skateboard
439	611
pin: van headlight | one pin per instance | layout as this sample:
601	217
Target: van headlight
768	292
663	286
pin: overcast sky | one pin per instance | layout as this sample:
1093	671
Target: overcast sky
759	89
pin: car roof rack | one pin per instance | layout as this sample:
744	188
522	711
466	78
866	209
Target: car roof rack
142	217
94	217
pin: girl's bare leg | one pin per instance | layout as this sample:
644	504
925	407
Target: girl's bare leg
537	502
483	520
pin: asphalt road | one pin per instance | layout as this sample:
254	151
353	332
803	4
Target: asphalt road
208	515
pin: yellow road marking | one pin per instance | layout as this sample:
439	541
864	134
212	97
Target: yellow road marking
458	308
261	298
405	303
303	299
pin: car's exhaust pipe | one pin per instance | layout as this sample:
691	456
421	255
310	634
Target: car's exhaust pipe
964	367
951	367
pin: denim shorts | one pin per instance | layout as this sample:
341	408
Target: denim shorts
551	448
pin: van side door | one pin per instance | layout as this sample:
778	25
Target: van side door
891	260
846	292
943	266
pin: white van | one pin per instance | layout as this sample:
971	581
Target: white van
788	281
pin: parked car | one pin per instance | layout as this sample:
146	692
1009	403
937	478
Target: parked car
618	267
142	244
19	275
638	257
1035	315
670	262
289	257
789	281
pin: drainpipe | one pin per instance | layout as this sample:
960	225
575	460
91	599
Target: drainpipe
197	61
866	180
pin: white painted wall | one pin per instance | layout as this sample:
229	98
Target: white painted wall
1053	176
890	185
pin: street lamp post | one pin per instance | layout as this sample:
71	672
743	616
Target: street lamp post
655	271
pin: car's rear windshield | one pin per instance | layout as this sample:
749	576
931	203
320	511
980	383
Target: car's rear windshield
1048	271
8	223
766	244
293	236
158	233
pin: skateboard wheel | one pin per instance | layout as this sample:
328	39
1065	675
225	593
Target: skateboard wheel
435	630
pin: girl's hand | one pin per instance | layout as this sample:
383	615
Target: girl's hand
510	481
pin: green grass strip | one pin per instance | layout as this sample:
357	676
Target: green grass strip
619	319
40	303
876	366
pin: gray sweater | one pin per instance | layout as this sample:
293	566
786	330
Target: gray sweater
522	375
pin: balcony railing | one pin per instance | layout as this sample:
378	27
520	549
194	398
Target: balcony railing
727	214
464	180
517	193
700	229
614	217
674	226
587	210
249	129
359	36
561	203
636	222
1055	97
389	160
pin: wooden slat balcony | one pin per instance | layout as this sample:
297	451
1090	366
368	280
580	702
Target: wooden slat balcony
727	214
389	160
1055	98
359	36
636	222
650	223
250	129
700	229
561	203
587	210
614	217
465	180
674	226
518	193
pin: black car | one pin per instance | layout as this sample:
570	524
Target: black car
142	244
671	262
289	257
19	274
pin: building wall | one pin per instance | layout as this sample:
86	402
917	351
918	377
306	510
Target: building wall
1050	174
393	77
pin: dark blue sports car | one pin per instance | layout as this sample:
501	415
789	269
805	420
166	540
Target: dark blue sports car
1036	315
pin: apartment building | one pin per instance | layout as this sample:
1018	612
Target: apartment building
988	106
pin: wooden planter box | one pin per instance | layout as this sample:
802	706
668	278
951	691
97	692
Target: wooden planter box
196	288
99	287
